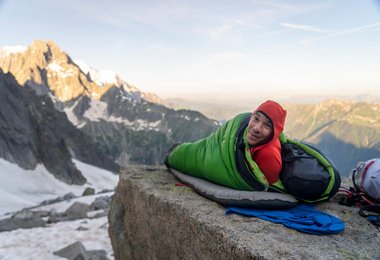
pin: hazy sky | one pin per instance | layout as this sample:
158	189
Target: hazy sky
213	48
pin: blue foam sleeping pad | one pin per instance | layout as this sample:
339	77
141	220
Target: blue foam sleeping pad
303	218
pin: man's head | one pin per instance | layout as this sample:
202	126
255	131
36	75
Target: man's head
266	123
260	129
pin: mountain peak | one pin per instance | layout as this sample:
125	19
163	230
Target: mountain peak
47	68
50	51
48	44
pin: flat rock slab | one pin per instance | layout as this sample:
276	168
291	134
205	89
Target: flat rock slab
151	217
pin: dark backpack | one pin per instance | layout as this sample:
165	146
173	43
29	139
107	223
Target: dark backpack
307	173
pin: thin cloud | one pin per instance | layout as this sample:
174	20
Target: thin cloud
307	28
163	49
216	59
221	31
349	31
229	30
272	4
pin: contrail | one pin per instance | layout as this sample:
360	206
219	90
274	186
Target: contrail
352	30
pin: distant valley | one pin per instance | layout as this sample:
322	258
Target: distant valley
223	110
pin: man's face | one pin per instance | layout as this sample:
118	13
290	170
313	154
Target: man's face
259	129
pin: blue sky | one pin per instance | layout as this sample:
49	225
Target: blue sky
213	48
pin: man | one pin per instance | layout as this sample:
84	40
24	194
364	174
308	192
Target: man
264	128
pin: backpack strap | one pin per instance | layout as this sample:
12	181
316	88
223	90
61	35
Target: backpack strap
362	176
354	197
351	197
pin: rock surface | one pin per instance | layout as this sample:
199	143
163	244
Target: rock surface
77	251
29	218
152	218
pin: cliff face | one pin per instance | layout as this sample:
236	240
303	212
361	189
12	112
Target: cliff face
152	218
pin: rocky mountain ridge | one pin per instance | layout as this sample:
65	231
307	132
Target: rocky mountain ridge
116	116
315	118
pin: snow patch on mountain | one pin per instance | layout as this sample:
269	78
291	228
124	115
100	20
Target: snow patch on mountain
99	77
143	125
108	76
120	120
138	124
186	117
8	50
97	110
133	89
62	72
71	115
